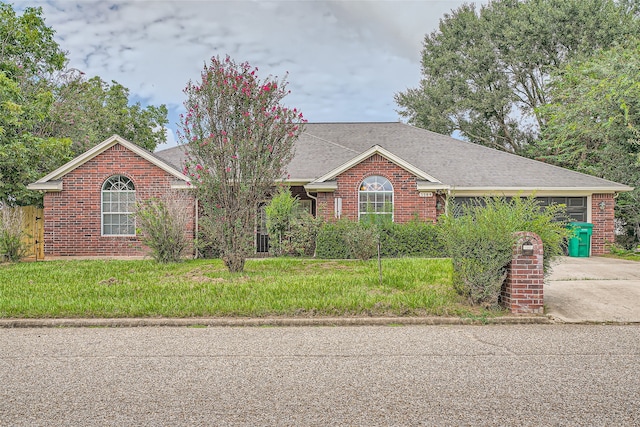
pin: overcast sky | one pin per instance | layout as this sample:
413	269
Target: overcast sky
345	59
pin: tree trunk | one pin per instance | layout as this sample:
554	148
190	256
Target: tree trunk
234	262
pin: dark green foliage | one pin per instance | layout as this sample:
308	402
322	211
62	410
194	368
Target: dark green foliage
486	70
413	239
300	239
481	238
362	240
292	230
48	113
593	124
163	222
331	241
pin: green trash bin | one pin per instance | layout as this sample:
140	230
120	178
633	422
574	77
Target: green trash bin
580	242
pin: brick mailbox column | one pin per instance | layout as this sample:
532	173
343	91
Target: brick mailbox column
522	292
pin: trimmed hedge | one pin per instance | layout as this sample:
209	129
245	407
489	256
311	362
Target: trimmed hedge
412	239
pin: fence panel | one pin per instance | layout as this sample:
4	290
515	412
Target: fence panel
33	226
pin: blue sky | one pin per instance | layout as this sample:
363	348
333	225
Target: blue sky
345	59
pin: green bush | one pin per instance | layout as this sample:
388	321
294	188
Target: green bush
163	222
292	230
331	240
413	239
362	240
480	242
12	247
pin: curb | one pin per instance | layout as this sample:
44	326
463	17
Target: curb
269	321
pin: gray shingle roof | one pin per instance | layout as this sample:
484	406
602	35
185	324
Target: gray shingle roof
325	146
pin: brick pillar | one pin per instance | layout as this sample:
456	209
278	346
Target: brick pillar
603	219
522	292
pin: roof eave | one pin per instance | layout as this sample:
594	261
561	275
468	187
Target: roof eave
539	191
322	187
50	186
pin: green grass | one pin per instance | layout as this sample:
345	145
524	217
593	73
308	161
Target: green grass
267	287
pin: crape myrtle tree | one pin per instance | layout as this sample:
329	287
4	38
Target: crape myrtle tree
240	139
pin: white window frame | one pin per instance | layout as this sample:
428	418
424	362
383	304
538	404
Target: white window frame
378	186
118	185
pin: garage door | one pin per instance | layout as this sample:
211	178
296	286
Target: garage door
576	206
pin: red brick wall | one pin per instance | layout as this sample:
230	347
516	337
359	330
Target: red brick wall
603	223
72	217
522	292
407	203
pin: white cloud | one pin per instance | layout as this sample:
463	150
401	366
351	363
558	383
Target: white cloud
345	59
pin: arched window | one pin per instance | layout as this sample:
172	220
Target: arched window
376	198
118	204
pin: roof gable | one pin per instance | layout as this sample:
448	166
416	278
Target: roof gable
51	181
376	149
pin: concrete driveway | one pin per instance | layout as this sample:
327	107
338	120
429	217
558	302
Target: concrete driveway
594	289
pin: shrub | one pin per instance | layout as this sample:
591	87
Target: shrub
11	234
281	211
300	239
414	239
362	240
480	242
163	222
331	241
292	230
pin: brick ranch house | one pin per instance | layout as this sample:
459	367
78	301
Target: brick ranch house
340	170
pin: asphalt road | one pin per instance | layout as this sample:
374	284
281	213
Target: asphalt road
319	376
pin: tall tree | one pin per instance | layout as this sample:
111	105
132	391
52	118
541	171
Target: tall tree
240	140
49	113
594	122
485	72
90	110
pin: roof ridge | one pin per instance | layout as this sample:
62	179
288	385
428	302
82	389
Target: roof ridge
332	143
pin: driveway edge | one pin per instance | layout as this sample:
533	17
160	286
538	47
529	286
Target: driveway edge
270	321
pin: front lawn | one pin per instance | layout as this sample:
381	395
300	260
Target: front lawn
268	287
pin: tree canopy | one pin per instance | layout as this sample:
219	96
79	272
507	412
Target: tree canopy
49	113
593	123
485	72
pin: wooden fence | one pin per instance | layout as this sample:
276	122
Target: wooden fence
33	225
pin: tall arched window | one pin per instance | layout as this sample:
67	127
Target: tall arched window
118	204
376	198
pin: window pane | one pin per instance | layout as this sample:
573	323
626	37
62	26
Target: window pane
376	199
118	204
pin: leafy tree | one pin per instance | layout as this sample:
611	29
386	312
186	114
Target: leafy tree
240	140
48	113
485	72
594	122
88	111
27	45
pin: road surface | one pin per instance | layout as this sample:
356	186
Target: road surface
321	376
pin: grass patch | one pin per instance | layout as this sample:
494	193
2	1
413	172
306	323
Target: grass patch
267	287
629	256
